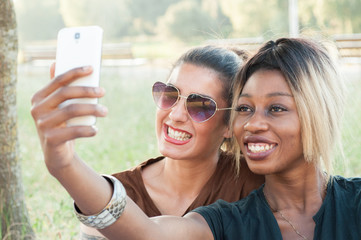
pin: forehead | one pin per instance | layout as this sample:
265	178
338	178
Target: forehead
190	78
264	82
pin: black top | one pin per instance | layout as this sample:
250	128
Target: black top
251	218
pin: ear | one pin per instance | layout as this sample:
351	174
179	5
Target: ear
227	133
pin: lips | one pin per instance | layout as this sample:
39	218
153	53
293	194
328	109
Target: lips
176	136
258	148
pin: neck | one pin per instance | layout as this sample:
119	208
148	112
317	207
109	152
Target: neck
294	199
188	176
174	184
303	190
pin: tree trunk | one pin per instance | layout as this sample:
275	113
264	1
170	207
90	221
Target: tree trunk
14	220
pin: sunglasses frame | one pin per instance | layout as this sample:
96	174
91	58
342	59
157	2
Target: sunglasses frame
185	102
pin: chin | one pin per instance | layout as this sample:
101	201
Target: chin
259	168
169	153
162	149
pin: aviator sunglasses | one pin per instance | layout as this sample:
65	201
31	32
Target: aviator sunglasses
200	108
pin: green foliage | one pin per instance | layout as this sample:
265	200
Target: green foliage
146	13
223	24
343	15
188	20
258	17
38	19
113	16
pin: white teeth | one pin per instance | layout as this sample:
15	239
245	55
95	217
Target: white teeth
180	136
260	147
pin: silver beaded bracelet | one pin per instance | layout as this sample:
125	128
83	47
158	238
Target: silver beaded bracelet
112	211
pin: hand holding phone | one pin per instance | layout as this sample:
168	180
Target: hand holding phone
79	47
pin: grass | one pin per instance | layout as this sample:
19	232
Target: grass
126	137
352	125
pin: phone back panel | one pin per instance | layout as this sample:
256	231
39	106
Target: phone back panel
78	47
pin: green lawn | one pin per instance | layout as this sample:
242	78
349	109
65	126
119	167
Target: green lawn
126	137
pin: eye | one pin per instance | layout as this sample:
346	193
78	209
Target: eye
277	108
243	108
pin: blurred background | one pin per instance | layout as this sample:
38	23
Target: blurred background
142	38
187	21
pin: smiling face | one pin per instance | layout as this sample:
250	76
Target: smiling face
267	126
178	136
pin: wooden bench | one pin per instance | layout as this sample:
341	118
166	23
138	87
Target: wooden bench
48	51
117	51
38	52
349	45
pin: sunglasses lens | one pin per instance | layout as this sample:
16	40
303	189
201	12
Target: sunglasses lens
164	96
200	108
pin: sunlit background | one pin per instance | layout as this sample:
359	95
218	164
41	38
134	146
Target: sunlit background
142	38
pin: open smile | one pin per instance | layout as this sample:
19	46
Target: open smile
176	136
260	147
259	151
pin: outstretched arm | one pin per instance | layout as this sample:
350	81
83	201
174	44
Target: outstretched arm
90	191
57	139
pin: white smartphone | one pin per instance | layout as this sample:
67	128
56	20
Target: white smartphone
78	47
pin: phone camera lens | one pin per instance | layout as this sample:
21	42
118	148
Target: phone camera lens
77	35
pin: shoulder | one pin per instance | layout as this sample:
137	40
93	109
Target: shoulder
133	181
341	208
240	207
226	167
352	185
234	219
134	185
134	172
245	181
346	188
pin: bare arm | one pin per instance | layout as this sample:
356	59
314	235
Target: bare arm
88	233
89	190
134	225
57	140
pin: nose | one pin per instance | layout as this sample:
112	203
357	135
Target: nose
179	112
256	123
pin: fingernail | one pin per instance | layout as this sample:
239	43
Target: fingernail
94	128
103	109
87	68
99	90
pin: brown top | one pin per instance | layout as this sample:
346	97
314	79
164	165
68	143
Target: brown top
222	185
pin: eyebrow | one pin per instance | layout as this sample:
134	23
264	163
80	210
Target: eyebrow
274	94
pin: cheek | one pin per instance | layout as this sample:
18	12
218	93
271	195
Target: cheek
160	116
296	140
212	130
293	135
